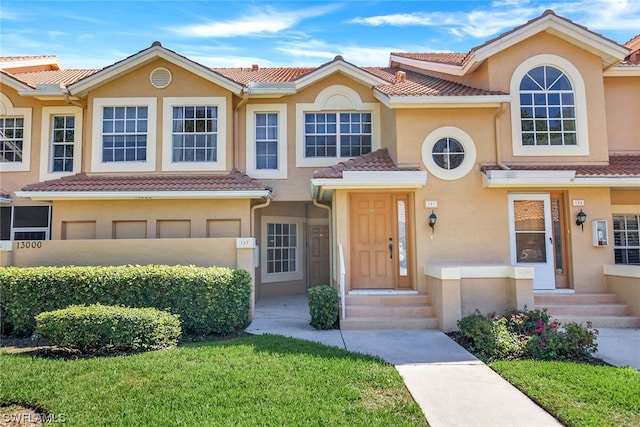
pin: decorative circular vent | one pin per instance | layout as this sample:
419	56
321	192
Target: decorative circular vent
160	77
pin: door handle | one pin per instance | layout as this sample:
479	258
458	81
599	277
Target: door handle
391	250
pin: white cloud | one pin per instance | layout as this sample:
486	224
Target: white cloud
256	22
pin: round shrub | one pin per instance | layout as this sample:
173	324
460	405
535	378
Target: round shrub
323	306
109	328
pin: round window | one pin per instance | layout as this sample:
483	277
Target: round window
448	153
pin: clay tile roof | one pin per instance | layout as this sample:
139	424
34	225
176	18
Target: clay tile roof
442	58
25	58
417	84
244	76
619	166
233	181
61	77
379	161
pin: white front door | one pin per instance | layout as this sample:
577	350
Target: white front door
531	241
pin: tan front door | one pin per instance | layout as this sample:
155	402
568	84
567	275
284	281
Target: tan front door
373	242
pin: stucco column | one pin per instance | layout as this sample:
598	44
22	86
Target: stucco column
245	256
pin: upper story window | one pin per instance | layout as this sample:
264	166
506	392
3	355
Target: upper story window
63	138
336	127
266	140
11	139
448	153
266	144
124	133
549	108
61	134
337	134
15	136
626	236
194	133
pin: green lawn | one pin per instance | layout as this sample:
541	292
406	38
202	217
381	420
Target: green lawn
255	380
578	394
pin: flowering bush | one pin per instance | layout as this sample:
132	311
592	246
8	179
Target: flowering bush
526	334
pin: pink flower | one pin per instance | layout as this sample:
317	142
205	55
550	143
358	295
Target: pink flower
553	325
539	329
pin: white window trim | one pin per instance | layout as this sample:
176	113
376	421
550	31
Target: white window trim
281	111
46	138
282	277
7	109
574	76
167	143
469	153
340	99
96	139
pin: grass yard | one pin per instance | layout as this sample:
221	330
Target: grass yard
253	380
578	394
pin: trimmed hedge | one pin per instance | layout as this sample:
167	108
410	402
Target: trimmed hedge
323	306
209	300
109	328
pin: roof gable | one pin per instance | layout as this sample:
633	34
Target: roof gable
608	50
83	86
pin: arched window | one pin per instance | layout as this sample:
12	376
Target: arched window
547	108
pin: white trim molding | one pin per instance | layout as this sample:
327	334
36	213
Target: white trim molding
7	109
582	119
46	140
167	131
252	170
355	180
336	98
553	179
97	165
469	153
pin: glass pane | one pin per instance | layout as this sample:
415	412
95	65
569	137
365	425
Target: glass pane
402	237
530	247
528	215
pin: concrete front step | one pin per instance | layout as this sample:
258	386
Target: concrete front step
587	309
601	309
388	311
601	321
580	298
371	323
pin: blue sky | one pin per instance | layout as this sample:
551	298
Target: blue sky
94	34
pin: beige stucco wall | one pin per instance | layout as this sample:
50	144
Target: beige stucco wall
105	212
624	281
622	100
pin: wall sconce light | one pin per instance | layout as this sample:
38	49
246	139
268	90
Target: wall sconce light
432	221
580	219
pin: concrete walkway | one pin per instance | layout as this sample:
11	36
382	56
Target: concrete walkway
452	387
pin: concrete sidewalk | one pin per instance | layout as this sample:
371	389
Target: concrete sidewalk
452	387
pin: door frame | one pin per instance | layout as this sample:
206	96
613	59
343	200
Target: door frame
544	273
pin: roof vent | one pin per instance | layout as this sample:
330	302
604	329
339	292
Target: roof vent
401	76
156	43
160	77
255	67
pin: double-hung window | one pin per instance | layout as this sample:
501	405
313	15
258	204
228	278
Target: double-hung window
194	133
337	134
194	136
266	142
124	134
63	135
281	259
11	139
626	236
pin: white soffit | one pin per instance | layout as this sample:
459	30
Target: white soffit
373	179
520	178
435	101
